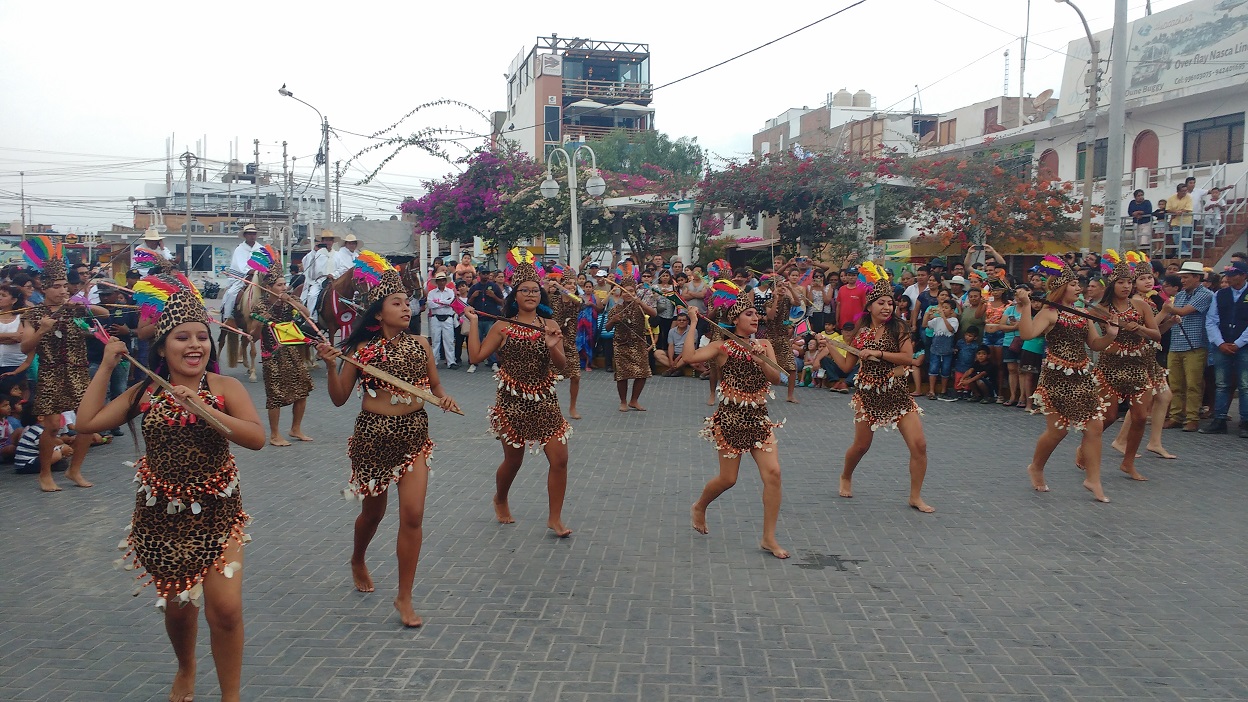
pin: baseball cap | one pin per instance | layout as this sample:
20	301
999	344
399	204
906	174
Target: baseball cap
601	274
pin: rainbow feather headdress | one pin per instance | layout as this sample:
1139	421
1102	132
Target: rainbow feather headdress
719	268
876	276
1115	267
171	299
1056	271
726	296
47	257
267	264
147	258
521	266
379	275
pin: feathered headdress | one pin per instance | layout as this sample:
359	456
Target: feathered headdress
726	297
1115	268
171	299
47	257
876	276
1056	271
147	258
379	275
719	268
521	266
556	271
266	262
1140	262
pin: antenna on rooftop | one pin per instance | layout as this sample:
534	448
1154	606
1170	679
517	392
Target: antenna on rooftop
1006	89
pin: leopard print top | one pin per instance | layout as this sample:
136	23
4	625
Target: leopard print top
526	410
780	334
881	398
401	356
567	312
1068	387
189	505
287	379
1124	367
632	341
740	423
63	376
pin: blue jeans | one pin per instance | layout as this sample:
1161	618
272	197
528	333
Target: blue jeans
835	373
1228	371
483	328
940	365
118	381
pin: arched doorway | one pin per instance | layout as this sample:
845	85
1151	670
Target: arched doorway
1144	151
1047	170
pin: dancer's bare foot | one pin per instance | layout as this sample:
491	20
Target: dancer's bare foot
557	526
503	513
363	579
75	477
1079	457
299	435
792	399
183	685
623	406
699	520
922	506
1037	479
573	413
635	405
710	401
1132	473
1161	451
278	440
48	484
1096	491
407	614
773	548
847	489
1121	447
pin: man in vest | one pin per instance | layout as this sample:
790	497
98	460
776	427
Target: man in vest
238	266
316	268
1227	326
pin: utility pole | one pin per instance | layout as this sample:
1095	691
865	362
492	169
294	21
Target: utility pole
23	210
1089	139
337	186
325	161
188	164
1115	156
256	179
1022	64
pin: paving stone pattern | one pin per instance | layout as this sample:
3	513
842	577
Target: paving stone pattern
1003	594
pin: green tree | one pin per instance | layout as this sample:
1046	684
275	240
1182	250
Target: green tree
651	154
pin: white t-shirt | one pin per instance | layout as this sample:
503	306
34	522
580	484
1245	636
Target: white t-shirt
11	354
937	325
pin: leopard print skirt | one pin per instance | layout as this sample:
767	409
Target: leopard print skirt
883	406
632	356
1075	398
783	344
520	421
570	352
384	448
287	378
1126	376
59	388
736	429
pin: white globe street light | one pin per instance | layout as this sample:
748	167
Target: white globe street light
595	186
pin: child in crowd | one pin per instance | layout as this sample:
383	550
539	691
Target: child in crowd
839	380
965	358
981	379
26	455
944	325
10	431
461	296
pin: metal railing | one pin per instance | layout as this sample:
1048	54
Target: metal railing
1200	236
1168	177
601	90
581	132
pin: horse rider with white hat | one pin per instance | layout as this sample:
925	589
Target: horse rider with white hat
317	265
344	258
153	241
239	267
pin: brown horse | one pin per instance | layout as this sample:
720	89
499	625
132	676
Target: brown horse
351	289
246	302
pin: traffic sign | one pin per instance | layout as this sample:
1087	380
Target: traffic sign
860	197
680	207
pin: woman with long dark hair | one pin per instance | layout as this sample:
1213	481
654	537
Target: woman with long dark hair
391	441
632	343
740	424
885	355
187	527
1157	402
12	360
1069	391
1125	365
526	411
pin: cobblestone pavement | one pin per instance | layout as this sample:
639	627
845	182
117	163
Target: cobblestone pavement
1003	594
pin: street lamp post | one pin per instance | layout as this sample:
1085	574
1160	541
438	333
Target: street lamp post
595	186
323	156
1089	141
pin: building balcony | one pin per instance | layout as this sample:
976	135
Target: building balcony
583	133
607	91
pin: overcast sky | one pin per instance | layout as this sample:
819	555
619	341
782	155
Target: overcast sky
89	91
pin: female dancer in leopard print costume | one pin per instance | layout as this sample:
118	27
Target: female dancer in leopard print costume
740	424
287	378
187	528
1068	393
526	411
632	343
391	442
884	353
567	305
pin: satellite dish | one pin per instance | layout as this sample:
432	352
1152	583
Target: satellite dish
928	138
1042	98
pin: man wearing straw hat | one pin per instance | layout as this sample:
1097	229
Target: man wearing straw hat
344	258
239	267
316	267
153	241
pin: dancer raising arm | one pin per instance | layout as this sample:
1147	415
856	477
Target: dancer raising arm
187	527
391	441
740	424
885	354
526	411
1069	392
